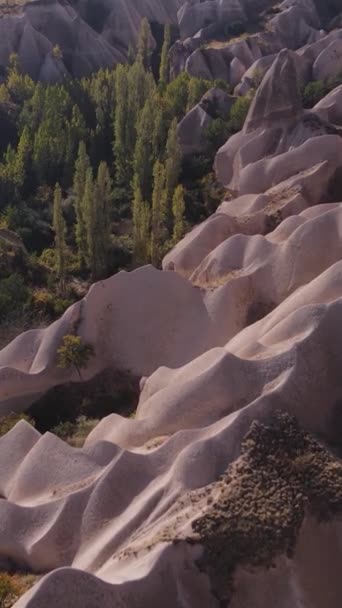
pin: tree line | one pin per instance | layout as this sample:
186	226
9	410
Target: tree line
108	143
82	155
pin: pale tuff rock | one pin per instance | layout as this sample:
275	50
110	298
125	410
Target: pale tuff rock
193	128
244	320
90	39
279	139
330	107
328	63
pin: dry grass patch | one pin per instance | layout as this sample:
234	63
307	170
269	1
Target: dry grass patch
219	281
13	586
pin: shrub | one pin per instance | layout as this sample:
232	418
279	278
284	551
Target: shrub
313	93
64	429
239	113
8	422
74	353
13	295
48	258
45	303
8	590
213	192
177	94
196	89
217	133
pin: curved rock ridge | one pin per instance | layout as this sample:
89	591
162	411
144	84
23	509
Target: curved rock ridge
241	267
28	366
211	43
279	138
116	531
89	39
243	321
219	49
193	128
67	508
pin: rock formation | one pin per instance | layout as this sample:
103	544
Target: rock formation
209	496
193	128
279	138
88	39
211	43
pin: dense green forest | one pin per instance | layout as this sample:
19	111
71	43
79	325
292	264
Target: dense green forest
92	178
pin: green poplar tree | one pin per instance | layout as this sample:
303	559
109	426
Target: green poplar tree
164	58
143	155
158	233
141	86
22	161
121	144
144	43
178	211
172	168
81	167
160	129
89	207
141	228
102	215
131	55
59	227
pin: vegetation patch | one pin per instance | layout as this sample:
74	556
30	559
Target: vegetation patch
255	511
63	408
13	586
75	433
315	90
9	421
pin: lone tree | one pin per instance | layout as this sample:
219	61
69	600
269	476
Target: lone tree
73	353
144	46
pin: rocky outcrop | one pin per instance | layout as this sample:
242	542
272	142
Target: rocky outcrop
205	497
291	24
278	98
197	16
328	64
280	303
89	39
277	133
248	215
193	128
218	38
330	107
211	43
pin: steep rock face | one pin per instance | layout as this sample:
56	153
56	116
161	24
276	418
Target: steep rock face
194	17
291	24
193	128
328	64
330	107
276	125
35	370
92	37
142	514
278	97
89	39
